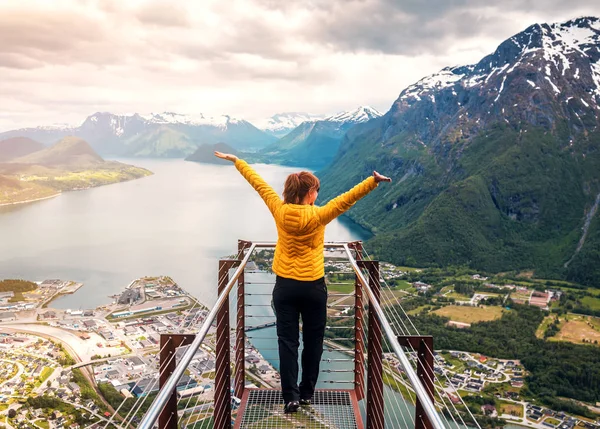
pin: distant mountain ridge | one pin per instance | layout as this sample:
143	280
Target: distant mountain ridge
164	134
281	124
314	144
495	164
70	151
17	147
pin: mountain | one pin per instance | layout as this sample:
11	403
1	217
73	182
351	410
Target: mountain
43	134
205	154
281	124
495	165
70	151
314	144
70	164
18	146
164	134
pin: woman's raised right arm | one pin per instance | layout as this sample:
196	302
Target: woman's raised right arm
345	201
265	190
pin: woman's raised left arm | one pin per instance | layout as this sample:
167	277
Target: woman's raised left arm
266	192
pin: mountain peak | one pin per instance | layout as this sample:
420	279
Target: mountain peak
545	72
282	123
360	114
70	151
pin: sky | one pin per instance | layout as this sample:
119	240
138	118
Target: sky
63	60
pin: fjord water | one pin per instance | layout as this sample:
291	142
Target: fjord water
177	222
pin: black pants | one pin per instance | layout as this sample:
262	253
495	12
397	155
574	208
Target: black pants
294	298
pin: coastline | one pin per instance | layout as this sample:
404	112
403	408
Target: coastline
59	192
31	201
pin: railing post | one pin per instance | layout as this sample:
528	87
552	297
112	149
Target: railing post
423	346
240	334
222	416
359	345
168	347
375	418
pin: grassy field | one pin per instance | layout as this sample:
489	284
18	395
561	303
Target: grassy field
468	314
418	310
509	408
400	284
46	372
341	287
577	329
458	364
42	424
520	296
591	302
458	296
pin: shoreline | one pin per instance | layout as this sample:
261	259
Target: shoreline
150	173
31	201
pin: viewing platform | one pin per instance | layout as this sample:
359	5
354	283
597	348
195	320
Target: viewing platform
365	387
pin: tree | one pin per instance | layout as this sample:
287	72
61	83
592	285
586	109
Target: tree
12	413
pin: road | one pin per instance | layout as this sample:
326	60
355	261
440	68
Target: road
20	369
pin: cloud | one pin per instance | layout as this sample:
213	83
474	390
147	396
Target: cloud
61	61
164	14
412	27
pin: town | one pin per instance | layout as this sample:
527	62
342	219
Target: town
74	368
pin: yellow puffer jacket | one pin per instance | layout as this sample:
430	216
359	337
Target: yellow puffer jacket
301	228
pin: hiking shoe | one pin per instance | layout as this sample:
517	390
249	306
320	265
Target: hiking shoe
305	402
291	407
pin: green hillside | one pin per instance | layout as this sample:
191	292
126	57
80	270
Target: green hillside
504	200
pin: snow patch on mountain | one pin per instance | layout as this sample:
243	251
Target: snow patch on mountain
286	121
199	119
360	114
557	45
448	76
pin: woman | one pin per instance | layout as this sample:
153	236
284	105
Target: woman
300	288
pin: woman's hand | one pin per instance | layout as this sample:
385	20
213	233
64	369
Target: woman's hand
227	156
379	178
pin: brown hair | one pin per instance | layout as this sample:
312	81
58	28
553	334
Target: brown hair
298	185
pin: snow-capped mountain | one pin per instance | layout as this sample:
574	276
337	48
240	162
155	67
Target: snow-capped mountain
156	134
495	164
194	120
315	143
547	72
360	114
282	123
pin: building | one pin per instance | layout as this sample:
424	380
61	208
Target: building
48	315
7	316
150	385
129	296
6	295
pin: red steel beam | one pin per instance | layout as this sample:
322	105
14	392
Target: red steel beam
240	334
423	345
222	418
375	418
169	343
359	353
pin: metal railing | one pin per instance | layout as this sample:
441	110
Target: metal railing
377	322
